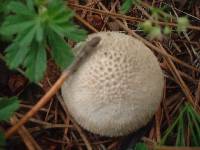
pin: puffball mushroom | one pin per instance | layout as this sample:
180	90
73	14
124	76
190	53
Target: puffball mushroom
117	89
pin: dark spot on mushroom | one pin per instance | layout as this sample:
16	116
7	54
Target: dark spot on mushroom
105	53
109	69
115	84
118	58
101	68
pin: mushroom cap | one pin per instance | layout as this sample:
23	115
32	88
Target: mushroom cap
117	89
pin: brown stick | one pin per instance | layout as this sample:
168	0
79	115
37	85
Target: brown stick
169	59
81	132
86	50
154	48
129	18
87	24
29	141
39	105
176	148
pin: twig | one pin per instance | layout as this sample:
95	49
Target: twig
45	124
39	105
27	138
179	79
157	124
129	18
184	75
168	58
89	26
107	13
81	132
175	148
107	18
90	3
86	50
156	49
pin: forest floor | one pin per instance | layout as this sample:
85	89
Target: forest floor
179	56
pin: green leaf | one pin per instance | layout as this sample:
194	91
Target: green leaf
30	5
25	38
2	140
146	26
127	4
155	33
62	13
172	127
70	31
3	7
194	117
15	27
180	141
76	35
28	23
58	12
58	29
55	7
185	121
63	18
39	32
7	107
60	50
35	63
20	9
140	146
156	12
41	2
15	55
183	23
194	135
167	30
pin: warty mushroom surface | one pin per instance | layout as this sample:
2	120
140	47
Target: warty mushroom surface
117	89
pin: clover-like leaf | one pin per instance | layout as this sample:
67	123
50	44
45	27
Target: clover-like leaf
29	24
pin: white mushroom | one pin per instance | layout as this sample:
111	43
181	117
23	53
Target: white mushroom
117	89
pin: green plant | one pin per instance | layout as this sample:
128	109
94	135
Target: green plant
151	26
128	4
3	14
183	23
140	146
187	124
7	107
3	7
35	27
